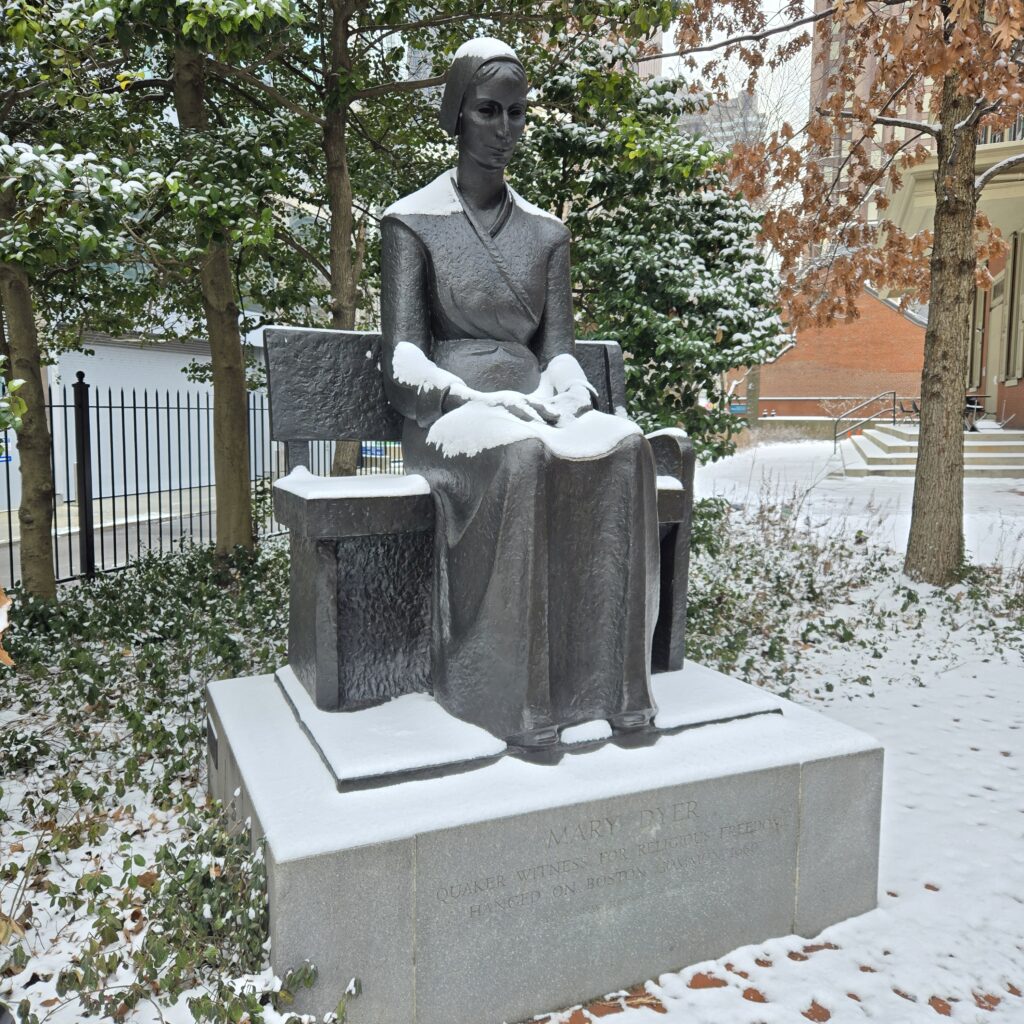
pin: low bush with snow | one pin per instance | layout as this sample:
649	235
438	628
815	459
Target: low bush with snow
125	894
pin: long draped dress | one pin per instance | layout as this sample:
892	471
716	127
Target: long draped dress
546	547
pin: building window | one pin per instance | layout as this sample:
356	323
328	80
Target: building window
979	325
1014	365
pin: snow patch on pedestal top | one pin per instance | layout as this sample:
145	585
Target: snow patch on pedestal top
302	813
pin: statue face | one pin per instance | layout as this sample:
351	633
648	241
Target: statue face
493	117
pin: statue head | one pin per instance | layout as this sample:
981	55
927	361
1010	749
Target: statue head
484	102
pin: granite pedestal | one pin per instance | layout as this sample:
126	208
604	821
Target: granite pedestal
514	889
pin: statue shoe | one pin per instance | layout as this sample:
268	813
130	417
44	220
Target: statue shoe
631	721
534	739
537	746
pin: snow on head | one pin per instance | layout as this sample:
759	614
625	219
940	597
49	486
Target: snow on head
485	48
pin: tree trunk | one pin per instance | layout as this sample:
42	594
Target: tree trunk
345	270
754	397
35	516
227	361
230	402
935	551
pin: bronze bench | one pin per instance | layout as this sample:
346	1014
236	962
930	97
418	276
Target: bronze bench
361	547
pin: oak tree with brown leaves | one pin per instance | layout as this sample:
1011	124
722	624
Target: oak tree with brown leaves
893	84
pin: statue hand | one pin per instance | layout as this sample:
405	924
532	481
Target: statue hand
549	416
520	407
575	401
530	412
451	402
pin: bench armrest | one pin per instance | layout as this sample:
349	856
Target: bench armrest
321	508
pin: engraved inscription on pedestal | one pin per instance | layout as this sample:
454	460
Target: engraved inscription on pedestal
666	869
653	851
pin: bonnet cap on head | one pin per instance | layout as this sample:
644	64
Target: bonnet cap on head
468	60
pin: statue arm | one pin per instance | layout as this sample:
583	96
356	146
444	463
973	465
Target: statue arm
405	317
556	344
418	388
555	336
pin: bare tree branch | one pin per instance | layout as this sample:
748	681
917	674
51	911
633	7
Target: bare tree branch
894	122
230	71
403	85
293	243
751	37
980	109
914	126
996	169
757	37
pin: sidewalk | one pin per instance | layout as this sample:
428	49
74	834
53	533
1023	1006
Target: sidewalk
121	510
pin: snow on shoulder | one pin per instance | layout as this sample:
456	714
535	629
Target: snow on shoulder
527	207
438	199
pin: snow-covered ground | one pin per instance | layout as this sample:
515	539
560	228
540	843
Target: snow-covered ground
824	617
993	508
948	935
947	701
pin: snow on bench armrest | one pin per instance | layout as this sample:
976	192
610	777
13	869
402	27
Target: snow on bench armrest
304	484
322	507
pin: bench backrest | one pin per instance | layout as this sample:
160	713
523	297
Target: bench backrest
328	386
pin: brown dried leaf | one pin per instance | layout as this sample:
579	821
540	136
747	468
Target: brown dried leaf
816	1012
9	927
702	980
5	604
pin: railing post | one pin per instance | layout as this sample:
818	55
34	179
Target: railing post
83	475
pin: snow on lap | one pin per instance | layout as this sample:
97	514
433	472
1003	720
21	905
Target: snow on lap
477	426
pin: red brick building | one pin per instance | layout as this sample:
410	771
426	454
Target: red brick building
830	369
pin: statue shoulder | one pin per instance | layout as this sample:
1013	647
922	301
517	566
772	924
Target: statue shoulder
550	227
438	199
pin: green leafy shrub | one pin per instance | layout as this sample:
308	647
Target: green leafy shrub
165	898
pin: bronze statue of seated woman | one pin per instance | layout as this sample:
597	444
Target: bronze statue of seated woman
546	571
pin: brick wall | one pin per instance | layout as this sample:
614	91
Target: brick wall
882	350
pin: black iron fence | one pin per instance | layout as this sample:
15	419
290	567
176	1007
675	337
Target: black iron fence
133	472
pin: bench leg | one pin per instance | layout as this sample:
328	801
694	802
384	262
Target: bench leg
669	646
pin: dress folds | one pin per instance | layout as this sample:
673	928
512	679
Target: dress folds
546	548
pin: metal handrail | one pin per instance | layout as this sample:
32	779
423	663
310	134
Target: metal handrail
836	431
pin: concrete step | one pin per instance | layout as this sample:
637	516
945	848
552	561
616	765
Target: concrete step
874	457
907	433
902	431
971	446
970	472
862	457
974	444
889	443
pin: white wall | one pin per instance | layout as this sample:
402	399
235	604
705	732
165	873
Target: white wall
178	441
